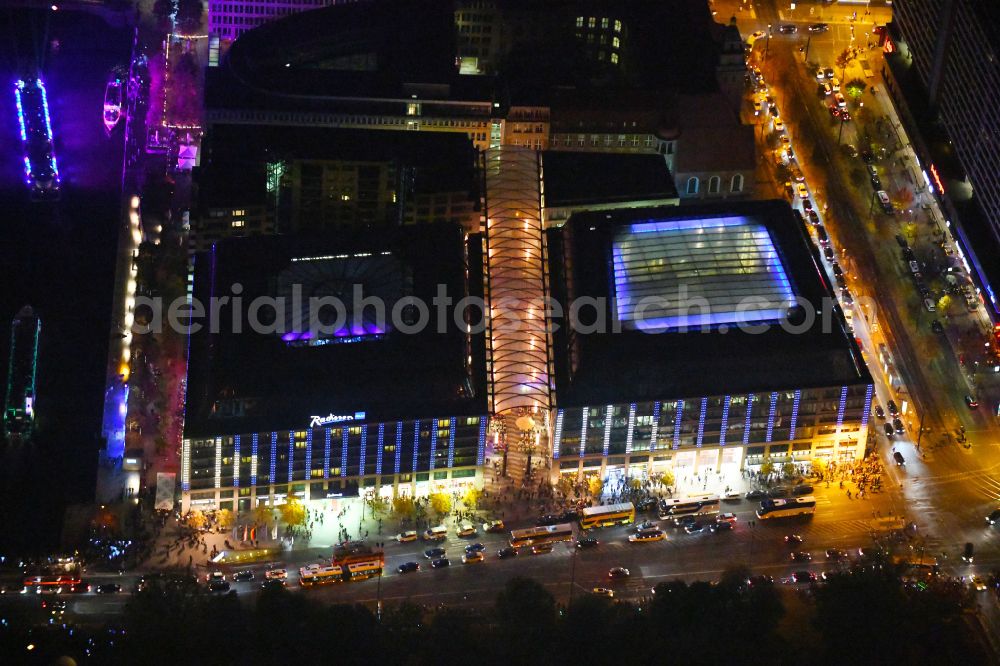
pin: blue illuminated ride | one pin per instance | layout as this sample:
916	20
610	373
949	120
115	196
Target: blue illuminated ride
40	170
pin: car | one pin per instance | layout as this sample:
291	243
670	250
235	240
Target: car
867	156
828	253
828	72
108	588
757	107
879	412
802	190
907	253
818	27
968	552
850	150
834	110
694	528
276	574
541	549
406	537
589	542
467	530
845	115
408	567
755	495
272	584
793	538
475	548
439	533
54	606
845	294
820	75
494	527
971	402
243	576
773	110
835	84
440	563
720	527
214	576
825	89
898	457
813	216
726	518
616	573
754	37
876	183
79	588
800	556
803	577
994	517
646	525
897	425
893	409
684	521
760	580
837	270
603	592
779	125
647	535
219	586
506	552
787	29
929	305
802	489
836	554
807	204
572	514
839	99
547	520
779	492
889	432
914	267
473	557
938	328
977	583
434	553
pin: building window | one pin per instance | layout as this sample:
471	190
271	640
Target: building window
604	23
579	21
737	183
591	22
618	26
614	58
713	184
238	224
616	42
692	186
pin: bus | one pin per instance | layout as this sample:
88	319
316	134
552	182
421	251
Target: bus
784	508
534	536
698	505
605	516
350	552
316	574
364	570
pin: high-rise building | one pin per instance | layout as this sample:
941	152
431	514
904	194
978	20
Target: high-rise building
951	47
19	404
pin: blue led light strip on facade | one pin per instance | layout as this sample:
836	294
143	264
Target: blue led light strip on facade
746	423
416	443
631	428
608	416
724	426
434	444
274	456
236	461
381	448
364	450
218	462
291	455
678	415
186	464
326	453
770	416
583	431
343	451
701	421
868	406
656	425
253	459
557	438
451	443
481	451
795	413
309	453
843	405
399	445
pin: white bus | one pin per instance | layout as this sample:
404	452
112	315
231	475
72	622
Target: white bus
363	570
698	505
784	508
605	516
534	536
315	574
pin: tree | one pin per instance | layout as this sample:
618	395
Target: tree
902	198
667	478
855	88
225	518
440	504
788	469
767	467
595	486
526	614
635	484
565	485
402	507
263	515
293	512
379	505
818	466
844	59
471	498
196	519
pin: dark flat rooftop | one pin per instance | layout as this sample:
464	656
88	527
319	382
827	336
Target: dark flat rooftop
576	178
610	367
258	381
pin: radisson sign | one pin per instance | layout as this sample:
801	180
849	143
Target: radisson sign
317	421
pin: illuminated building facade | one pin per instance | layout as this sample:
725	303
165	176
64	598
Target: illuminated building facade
22	371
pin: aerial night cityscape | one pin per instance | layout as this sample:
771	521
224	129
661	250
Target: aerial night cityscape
500	331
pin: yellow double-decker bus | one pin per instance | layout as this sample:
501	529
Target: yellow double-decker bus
537	536
364	570
315	574
605	516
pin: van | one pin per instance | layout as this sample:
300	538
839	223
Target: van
438	533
